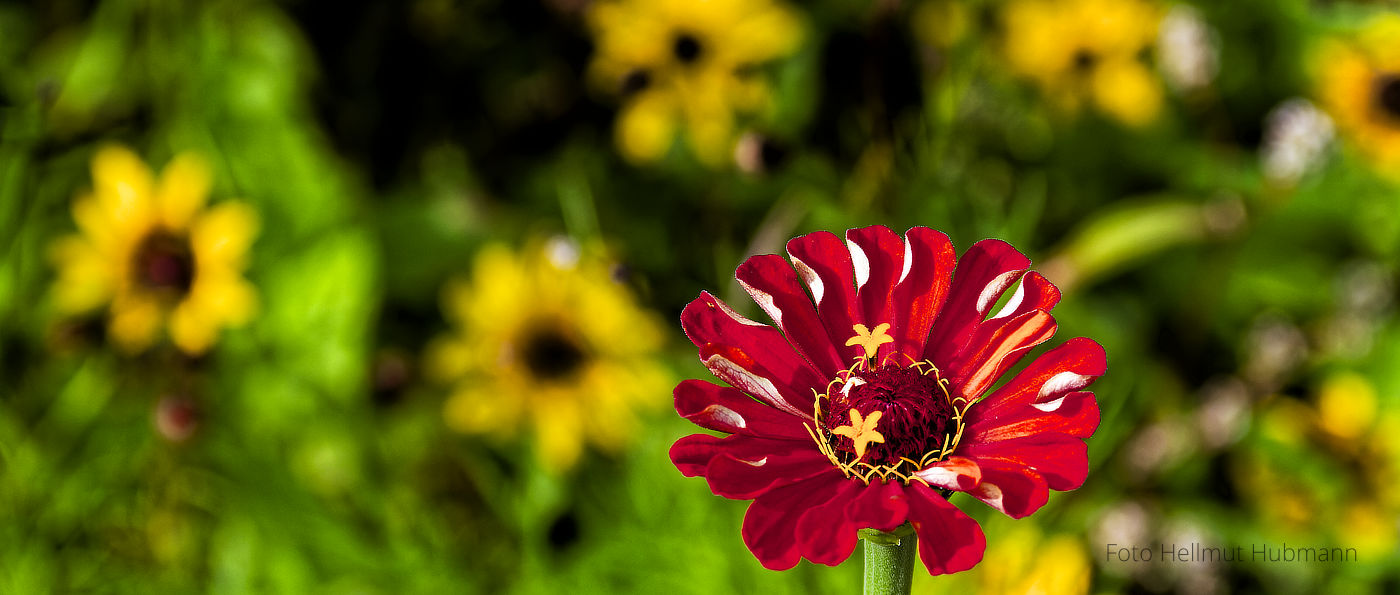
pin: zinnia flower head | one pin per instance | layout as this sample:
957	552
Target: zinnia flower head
151	251
548	340
869	404
1086	53
1359	85
683	65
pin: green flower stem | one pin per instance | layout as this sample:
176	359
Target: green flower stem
889	560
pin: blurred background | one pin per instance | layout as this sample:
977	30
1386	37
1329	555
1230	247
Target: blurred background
383	297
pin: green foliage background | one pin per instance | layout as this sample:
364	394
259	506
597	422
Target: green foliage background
384	142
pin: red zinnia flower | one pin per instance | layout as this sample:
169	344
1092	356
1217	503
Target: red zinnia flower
867	409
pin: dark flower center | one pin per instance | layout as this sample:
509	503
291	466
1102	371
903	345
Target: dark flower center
915	414
550	355
1084	60
165	262
687	48
636	81
1388	94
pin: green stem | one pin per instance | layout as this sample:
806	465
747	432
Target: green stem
889	560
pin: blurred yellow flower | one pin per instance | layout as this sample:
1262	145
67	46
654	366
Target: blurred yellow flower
1087	52
1025	562
151	251
1359	85
690	64
1346	406
550	340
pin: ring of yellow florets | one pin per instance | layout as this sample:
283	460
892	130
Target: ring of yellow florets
863	428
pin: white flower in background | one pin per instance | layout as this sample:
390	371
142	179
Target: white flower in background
1188	50
1296	134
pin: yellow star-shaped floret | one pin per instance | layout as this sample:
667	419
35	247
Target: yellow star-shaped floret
862	431
870	340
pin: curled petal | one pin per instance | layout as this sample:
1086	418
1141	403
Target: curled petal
882	252
752	357
997	346
983	274
1064	369
949	540
824	264
1074	414
922	289
955	473
1014	490
1034	293
775	287
729	410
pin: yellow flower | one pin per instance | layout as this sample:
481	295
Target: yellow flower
1359	85
551	341
150	251
1346	406
686	64
1026	562
1086	52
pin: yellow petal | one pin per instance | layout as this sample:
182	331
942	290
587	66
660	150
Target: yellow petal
222	297
122	185
134	322
710	130
480	410
191	331
559	432
646	126
223	233
182	191
85	278
447	358
1127	91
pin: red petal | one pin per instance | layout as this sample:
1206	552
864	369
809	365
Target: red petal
729	410
949	540
770	525
995	347
824	534
775	287
878	256
1012	489
1055	373
1035	292
881	506
983	274
953	473
753	357
751	467
1075	414
824	264
929	260
692	454
1061	459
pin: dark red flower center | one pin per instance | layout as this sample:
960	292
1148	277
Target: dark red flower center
164	262
1388	94
903	418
